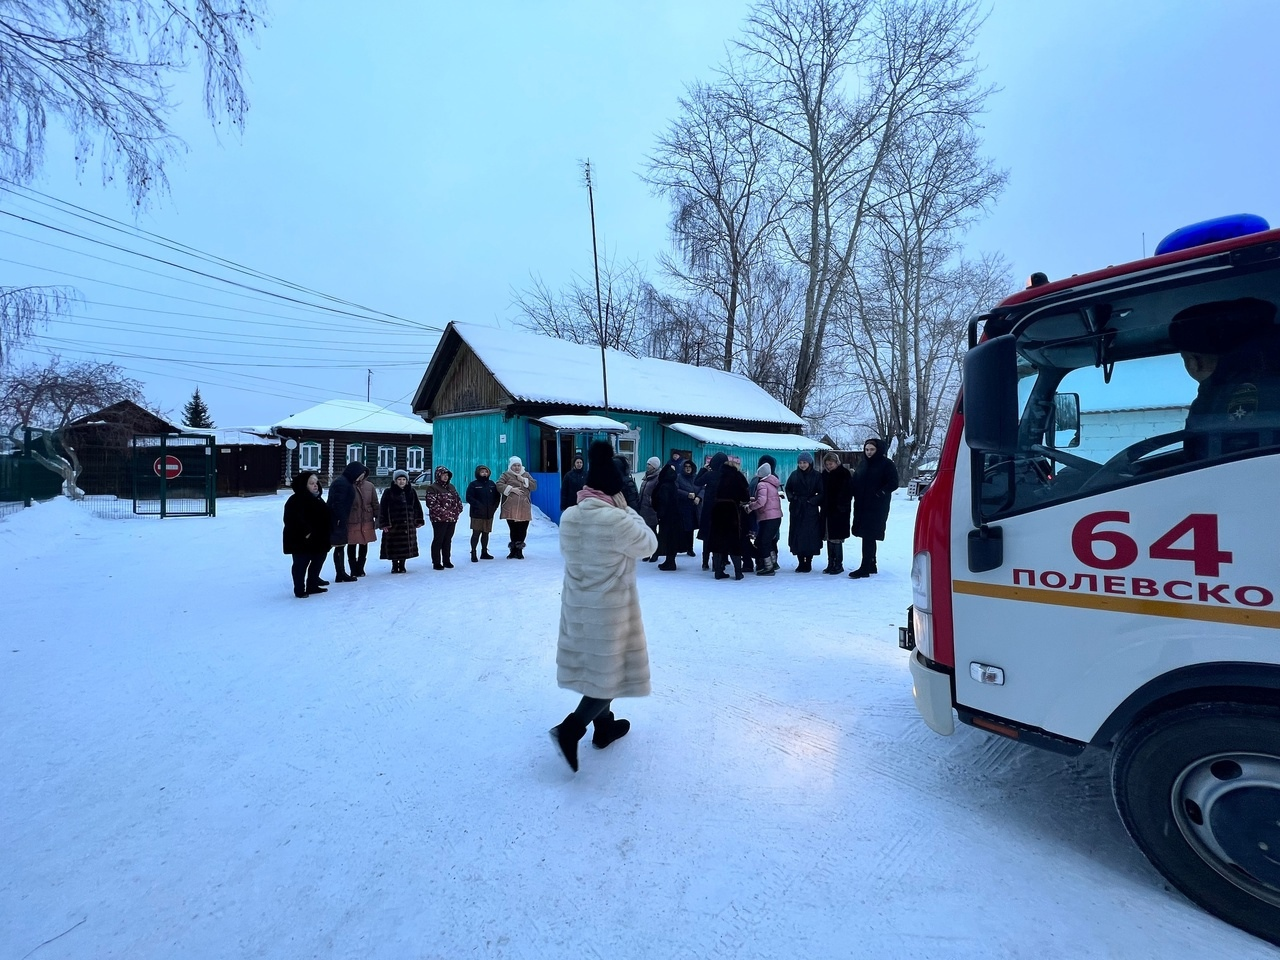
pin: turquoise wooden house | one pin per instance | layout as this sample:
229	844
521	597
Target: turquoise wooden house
491	394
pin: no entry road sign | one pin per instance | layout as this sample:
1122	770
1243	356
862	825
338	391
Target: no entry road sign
171	466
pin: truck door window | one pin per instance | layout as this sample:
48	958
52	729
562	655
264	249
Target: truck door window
1166	384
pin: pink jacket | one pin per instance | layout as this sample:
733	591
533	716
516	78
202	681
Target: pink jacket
766	504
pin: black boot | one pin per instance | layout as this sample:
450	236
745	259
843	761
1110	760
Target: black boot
669	563
446	556
341	575
474	558
435	558
519	550
511	550
737	567
566	736
608	729
484	547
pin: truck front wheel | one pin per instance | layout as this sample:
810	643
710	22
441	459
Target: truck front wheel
1198	789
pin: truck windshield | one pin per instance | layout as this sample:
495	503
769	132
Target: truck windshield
1168	380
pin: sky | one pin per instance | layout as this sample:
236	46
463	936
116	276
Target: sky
367	773
425	163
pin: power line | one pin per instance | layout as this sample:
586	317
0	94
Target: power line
178	247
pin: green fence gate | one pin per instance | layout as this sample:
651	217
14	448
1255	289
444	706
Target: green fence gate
175	475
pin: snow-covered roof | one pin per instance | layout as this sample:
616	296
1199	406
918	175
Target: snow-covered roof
584	422
353	416
240	436
536	368
734	438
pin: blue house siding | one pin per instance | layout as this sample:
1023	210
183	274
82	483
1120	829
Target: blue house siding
464	441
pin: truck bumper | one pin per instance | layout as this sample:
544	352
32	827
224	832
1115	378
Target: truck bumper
931	690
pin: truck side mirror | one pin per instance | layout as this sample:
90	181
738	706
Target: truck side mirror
991	396
1066	422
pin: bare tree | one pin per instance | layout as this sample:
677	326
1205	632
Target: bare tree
835	82
104	69
902	323
571	314
21	308
53	395
713	165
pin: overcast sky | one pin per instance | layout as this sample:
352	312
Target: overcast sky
426	162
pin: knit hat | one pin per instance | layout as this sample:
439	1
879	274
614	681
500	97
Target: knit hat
514	461
763	471
653	462
602	475
398	474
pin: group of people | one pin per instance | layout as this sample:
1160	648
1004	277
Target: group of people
738	519
349	520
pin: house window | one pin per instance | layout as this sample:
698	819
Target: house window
414	461
309	456
386	460
355	453
627	449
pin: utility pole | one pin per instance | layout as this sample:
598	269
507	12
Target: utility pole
368	385
595	256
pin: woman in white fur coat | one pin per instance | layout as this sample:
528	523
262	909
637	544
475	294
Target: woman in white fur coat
602	651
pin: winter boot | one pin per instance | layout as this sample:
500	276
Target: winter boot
511	550
474	558
608	729
435	558
668	564
340	566
484	547
737	567
519	550
566	735
446	556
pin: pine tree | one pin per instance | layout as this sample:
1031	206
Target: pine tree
196	414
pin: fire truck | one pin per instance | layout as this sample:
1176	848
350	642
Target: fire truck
1088	579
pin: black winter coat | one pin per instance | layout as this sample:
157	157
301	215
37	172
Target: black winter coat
804	536
728	518
688	505
570	484
482	497
400	515
835	509
628	483
342	494
874	481
666	506
708	485
306	521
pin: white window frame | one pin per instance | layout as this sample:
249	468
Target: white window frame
628	447
309	454
386	459
415	459
355	453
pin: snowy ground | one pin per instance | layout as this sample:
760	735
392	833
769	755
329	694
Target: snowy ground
196	764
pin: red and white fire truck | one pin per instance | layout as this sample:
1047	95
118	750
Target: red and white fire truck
1112	580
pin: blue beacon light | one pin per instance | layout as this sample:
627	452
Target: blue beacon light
1211	231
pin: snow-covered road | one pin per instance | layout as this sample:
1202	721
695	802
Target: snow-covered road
197	764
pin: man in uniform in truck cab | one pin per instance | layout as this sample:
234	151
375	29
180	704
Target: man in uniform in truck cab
1232	349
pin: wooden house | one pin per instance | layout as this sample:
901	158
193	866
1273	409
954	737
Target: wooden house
491	394
328	436
101	442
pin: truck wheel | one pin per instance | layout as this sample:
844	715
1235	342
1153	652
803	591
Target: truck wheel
1198	789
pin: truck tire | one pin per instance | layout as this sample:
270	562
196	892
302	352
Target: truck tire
1198	789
